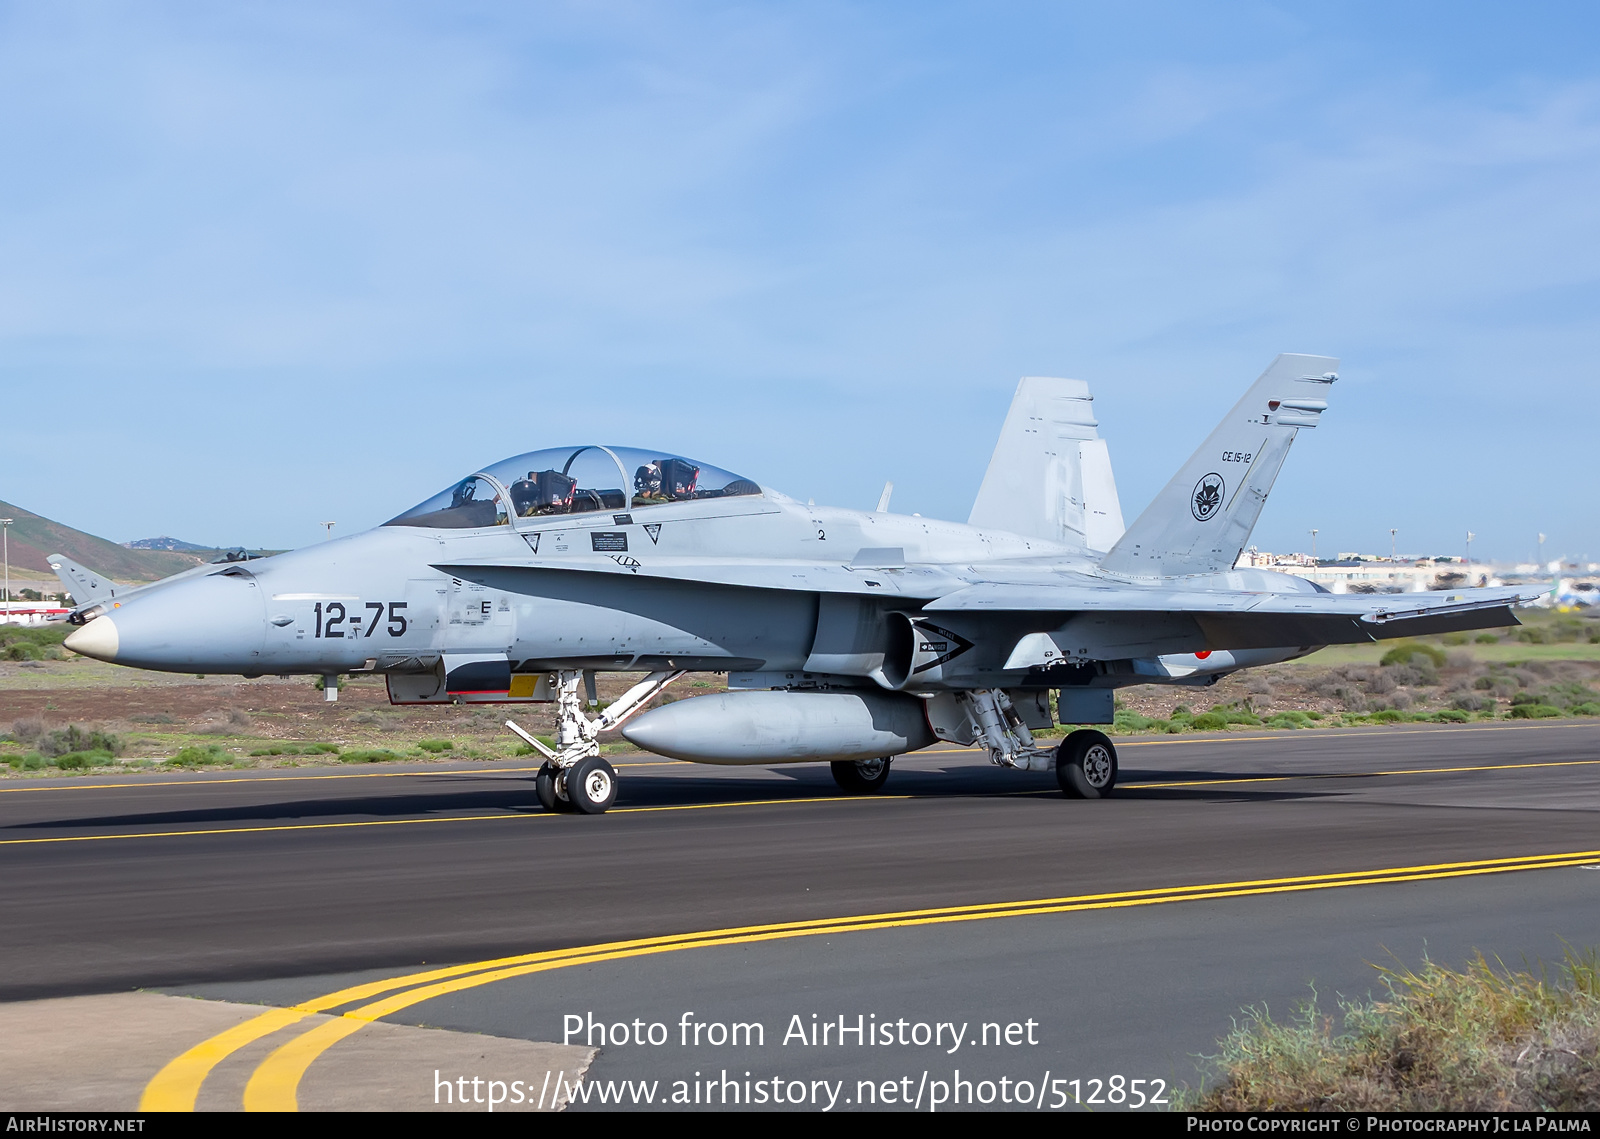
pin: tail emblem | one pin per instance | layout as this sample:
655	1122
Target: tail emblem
1207	498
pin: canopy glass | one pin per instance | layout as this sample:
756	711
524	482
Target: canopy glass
573	480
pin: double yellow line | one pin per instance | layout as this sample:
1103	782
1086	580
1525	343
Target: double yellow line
274	1084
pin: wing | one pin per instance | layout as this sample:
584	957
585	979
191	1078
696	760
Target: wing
1257	620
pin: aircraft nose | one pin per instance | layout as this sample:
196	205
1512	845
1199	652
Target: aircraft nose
213	623
97	639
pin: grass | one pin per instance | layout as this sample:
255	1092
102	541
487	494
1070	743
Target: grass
1484	1038
1506	652
201	755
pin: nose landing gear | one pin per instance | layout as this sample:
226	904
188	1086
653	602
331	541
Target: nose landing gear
574	777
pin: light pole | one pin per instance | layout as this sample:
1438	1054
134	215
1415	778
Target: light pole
1541	551
1470	536
1392	532
329	526
1313	545
5	541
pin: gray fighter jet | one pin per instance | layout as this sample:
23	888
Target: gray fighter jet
847	636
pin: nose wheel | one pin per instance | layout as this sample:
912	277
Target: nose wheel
551	786
591	786
588	787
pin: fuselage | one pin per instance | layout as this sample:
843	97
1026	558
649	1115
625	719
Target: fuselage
379	601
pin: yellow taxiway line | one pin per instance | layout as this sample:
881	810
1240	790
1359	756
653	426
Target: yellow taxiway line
931	753
451	771
539	814
1155	785
275	1082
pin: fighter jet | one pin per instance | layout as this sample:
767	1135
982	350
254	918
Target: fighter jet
849	637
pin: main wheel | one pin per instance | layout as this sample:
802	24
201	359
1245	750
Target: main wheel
861	776
591	785
550	783
1086	765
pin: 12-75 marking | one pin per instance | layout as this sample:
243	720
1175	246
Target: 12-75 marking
334	615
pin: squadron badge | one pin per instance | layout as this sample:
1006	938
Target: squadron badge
1207	498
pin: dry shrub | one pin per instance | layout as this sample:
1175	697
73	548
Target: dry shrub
1258	685
1481	1039
27	729
1381	684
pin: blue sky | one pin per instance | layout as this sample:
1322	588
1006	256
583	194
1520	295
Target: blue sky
263	265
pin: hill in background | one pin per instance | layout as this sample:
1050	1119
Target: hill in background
33	537
165	544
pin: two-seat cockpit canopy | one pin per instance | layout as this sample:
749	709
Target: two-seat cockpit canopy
572	480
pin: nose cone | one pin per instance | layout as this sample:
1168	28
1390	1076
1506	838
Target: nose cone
214	623
97	639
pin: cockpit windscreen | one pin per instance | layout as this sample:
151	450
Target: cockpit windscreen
574	480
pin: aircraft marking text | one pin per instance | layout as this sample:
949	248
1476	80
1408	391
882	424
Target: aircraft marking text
330	618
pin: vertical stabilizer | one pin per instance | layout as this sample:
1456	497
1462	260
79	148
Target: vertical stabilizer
86	586
1050	476
1203	518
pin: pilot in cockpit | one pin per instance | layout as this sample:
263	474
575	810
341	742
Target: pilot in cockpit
665	480
647	483
542	492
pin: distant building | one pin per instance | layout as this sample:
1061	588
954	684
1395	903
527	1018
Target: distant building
32	612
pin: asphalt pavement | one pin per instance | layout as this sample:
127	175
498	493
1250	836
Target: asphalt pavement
1226	871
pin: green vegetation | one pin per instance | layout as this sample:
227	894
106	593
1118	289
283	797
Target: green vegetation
199	756
79	760
436	746
77	738
292	748
368	755
1481	1039
32	642
1403	653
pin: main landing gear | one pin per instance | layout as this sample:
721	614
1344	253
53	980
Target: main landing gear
861	776
573	776
1085	763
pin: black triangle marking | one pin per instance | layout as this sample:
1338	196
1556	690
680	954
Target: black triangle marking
654	530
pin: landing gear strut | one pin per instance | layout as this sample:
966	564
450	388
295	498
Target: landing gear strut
861	776
574	777
1001	731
